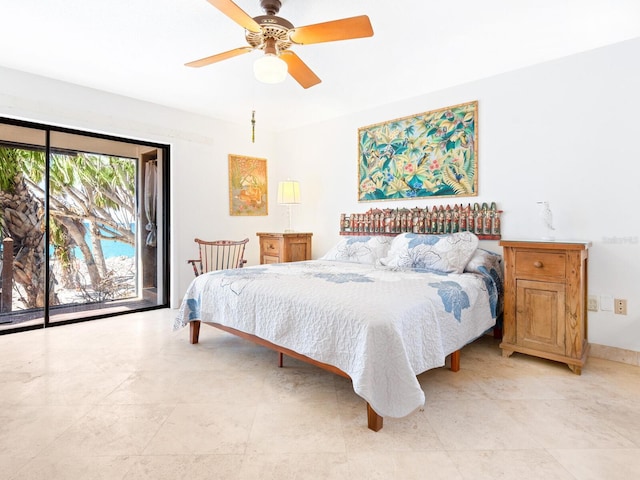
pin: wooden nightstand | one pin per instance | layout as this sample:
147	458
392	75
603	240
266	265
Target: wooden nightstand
545	303
284	247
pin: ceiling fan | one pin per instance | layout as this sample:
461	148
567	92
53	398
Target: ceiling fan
275	35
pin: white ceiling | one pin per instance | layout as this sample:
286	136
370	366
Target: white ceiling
138	48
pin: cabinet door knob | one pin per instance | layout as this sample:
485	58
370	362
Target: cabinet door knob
537	264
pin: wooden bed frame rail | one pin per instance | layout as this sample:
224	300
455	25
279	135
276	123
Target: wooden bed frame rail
374	421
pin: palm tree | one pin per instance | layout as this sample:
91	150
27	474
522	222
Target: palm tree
21	216
94	189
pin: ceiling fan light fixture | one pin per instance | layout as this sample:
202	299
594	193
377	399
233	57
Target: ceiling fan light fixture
270	69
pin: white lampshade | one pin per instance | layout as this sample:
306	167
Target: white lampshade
289	192
270	69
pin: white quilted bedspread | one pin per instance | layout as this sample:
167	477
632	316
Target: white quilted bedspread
382	327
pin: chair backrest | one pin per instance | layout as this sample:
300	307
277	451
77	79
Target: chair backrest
219	255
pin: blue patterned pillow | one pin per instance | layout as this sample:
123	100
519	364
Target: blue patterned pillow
441	253
360	249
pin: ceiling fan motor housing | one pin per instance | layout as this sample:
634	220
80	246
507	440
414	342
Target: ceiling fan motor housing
273	27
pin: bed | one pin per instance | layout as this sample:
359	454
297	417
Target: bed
378	310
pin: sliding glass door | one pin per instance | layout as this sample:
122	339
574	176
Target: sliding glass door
98	226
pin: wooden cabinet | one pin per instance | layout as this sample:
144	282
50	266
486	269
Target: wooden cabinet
545	303
284	247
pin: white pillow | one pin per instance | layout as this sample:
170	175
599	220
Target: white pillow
360	249
448	253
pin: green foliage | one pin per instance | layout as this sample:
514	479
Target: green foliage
61	245
14	161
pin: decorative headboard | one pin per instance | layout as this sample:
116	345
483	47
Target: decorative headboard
481	219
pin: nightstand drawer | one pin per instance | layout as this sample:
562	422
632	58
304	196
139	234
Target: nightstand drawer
271	246
535	264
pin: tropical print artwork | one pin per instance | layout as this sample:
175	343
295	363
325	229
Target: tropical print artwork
433	154
247	185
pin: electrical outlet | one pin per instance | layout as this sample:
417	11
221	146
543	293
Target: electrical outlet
592	304
620	306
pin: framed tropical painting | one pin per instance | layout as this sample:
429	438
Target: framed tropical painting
247	186
432	154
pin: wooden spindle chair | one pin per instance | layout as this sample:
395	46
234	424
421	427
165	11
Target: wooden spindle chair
218	255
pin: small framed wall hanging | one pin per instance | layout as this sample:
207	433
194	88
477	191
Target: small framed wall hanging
431	154
248	189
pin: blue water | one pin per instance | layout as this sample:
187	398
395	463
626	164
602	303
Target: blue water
110	248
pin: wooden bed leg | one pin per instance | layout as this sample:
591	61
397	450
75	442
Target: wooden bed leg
194	331
374	421
280	359
455	361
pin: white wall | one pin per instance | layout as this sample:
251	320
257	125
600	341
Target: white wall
564	131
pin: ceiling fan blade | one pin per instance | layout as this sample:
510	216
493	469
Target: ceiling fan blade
235	13
219	57
345	29
299	70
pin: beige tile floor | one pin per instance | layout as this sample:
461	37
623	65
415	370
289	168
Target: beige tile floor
128	398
